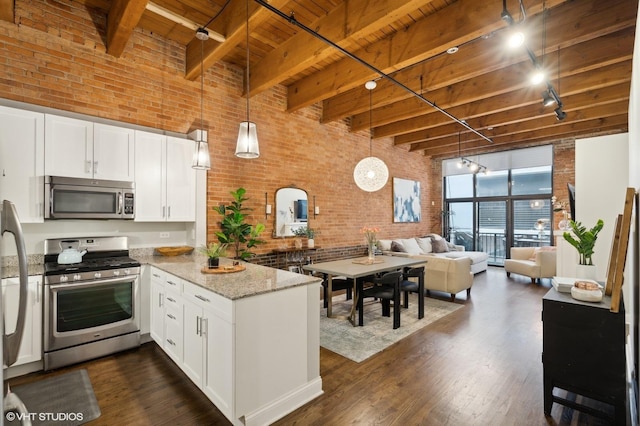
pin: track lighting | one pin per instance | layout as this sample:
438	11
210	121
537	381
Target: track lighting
473	166
547	99
560	114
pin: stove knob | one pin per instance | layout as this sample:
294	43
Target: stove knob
77	277
63	278
127	271
97	275
116	273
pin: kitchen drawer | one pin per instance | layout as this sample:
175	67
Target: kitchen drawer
209	301
173	283
172	302
158	276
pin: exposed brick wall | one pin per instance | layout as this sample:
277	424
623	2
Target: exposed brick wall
54	56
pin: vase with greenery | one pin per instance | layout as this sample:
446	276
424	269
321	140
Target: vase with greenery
309	233
584	240
235	231
214	251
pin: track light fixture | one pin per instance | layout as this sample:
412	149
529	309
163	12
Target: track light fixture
549	96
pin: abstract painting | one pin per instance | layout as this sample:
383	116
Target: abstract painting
406	200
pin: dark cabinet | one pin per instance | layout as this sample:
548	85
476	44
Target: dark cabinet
583	352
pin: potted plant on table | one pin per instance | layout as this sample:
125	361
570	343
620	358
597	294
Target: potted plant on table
235	231
305	231
584	240
213	252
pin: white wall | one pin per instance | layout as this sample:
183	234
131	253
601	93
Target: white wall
601	183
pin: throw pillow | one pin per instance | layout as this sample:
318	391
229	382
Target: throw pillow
411	246
397	246
384	245
440	246
539	249
424	244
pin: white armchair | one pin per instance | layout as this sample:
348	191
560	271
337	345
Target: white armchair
533	262
448	275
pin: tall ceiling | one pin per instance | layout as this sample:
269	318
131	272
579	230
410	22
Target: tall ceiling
584	46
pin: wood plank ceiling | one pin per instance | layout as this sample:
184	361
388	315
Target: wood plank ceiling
585	47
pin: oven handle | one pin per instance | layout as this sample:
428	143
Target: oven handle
85	284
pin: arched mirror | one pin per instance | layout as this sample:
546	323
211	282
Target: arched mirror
292	211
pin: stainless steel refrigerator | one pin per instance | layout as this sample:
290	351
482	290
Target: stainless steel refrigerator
10	343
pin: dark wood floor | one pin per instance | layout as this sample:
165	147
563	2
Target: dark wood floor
480	365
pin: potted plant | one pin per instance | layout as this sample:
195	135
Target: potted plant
213	252
305	231
235	231
584	240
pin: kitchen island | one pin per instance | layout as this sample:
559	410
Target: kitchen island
249	340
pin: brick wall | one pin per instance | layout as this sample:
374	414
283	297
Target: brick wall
54	56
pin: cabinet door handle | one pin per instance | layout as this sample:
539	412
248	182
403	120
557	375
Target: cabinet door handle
171	299
156	275
160	300
204	326
88	166
171	342
171	316
198	325
204	299
164	210
95	167
172	283
168	212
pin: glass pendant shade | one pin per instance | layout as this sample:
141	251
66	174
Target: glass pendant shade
371	174
201	159
247	145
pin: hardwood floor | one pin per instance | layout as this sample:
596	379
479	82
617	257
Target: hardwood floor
480	365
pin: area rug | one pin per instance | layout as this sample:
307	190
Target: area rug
360	343
64	400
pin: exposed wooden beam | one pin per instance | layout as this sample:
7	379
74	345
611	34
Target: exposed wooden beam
7	10
232	23
528	109
344	25
487	55
499	93
426	38
123	17
557	131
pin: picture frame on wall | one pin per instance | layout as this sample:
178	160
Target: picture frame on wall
406	201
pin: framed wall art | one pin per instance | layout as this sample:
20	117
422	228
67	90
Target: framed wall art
406	200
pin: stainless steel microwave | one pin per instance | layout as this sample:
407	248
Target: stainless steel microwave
75	198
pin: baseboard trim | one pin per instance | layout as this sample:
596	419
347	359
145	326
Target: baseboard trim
286	404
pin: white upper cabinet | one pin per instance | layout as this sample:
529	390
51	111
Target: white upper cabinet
165	181
82	149
22	162
181	180
113	152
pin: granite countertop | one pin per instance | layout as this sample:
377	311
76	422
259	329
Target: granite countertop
256	279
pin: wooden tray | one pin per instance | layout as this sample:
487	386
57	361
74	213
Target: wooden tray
174	251
222	270
367	261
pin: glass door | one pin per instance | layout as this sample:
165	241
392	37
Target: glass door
491	232
531	223
458	222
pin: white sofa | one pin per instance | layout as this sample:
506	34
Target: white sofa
431	246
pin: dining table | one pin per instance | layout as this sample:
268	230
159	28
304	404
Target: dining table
355	269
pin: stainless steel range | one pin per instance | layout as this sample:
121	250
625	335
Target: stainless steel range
92	305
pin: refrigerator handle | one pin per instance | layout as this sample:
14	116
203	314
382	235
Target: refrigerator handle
10	223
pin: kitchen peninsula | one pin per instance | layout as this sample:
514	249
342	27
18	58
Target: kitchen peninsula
249	340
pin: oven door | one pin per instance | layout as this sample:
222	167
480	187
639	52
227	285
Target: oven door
80	313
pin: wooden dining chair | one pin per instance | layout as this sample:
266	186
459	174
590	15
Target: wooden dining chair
407	285
386	288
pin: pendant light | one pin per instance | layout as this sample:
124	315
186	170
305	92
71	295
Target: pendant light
201	159
371	173
247	145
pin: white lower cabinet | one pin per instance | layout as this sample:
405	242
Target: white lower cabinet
31	345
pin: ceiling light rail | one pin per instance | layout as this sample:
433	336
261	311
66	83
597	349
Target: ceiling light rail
292	20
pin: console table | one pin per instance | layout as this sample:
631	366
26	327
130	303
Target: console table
292	256
583	351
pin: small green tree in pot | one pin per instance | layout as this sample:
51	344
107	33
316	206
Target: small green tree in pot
235	231
585	239
214	251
